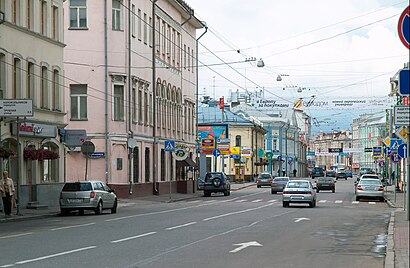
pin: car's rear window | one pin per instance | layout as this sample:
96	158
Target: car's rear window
374	177
264	175
325	180
75	187
281	179
370	181
210	176
298	185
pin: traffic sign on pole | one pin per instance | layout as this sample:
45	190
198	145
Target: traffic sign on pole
403	150
404	82
16	108
404	27
169	146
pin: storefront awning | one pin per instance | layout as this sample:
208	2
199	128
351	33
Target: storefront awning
187	162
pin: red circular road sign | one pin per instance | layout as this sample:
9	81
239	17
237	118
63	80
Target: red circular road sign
404	27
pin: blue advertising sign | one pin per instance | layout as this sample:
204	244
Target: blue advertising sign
213	132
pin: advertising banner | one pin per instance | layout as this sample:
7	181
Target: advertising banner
212	132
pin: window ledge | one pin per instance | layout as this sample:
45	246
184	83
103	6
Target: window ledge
78	28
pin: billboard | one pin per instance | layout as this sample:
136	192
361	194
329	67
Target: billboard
212	132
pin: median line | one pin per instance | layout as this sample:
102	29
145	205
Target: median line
236	212
132	237
180	226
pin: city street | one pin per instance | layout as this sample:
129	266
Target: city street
249	228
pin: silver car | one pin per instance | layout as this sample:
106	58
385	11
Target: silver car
264	179
299	191
369	188
278	184
87	195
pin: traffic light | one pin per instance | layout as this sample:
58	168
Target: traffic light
61	133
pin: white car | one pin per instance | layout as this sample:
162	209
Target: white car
299	191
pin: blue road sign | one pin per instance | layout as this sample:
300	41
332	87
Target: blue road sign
395	158
404	82
404	27
394	145
216	152
169	146
403	150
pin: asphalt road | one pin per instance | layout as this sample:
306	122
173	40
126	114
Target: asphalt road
249	228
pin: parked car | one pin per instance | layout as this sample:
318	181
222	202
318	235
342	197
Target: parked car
369	188
264	179
330	173
317	172
341	174
87	195
278	184
299	191
325	183
216	182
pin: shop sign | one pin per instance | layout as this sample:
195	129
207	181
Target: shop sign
35	130
180	152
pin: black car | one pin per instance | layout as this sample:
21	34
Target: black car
325	183
331	173
216	182
317	172
341	174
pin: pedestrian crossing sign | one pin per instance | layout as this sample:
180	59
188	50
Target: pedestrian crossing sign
169	146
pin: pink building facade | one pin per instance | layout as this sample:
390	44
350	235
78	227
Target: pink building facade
130	79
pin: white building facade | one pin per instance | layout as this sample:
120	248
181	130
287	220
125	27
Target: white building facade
31	70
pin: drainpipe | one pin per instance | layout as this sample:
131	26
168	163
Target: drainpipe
106	89
154	103
131	133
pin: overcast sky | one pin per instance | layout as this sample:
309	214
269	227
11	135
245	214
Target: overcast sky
328	48
337	48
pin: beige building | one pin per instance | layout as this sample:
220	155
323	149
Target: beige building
31	70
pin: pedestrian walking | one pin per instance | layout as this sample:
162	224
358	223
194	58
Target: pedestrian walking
7	191
294	172
283	172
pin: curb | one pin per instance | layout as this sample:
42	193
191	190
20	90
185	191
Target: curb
389	260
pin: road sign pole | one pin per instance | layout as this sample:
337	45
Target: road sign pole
18	167
408	178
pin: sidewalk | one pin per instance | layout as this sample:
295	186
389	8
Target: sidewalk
397	252
133	200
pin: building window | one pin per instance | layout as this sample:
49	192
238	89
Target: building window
30	15
140	104
78	95
238	140
16	93
136	160
43	17
146	103
150	31
178	49
44	88
145	29
54	31
184	56
134	104
2	75
118	103
147	164
16	11
192	60
49	167
30	82
78	14
116	15
158	35
56	91
139	28
133	20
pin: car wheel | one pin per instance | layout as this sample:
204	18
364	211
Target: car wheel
285	204
258	186
207	193
345	179
381	199
81	212
333	190
114	208
226	193
317	190
98	209
273	192
357	198
311	204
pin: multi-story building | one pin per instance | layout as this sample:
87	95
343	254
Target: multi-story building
241	139
131	83
330	149
31	70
